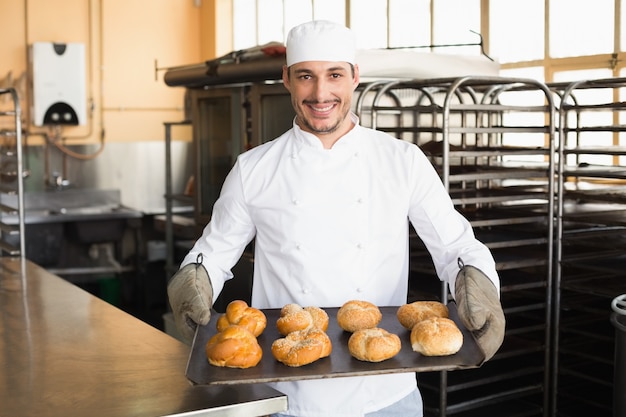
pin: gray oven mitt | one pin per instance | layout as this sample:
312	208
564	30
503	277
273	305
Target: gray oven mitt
191	296
479	308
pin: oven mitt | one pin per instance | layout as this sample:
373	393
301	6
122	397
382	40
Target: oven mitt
191	296
479	308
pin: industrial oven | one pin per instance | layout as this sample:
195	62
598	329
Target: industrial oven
228	120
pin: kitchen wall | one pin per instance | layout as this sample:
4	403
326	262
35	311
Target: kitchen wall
128	46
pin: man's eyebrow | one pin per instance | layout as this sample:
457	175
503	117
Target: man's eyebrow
302	71
337	69
331	69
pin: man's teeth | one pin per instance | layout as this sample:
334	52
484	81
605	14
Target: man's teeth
323	108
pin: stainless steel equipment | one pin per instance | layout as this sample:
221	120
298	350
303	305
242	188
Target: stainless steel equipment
67	353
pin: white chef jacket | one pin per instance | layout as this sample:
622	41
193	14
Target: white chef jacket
331	226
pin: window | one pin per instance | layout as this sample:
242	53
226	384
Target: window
516	31
409	23
244	24
456	22
271	18
578	31
516	36
370	24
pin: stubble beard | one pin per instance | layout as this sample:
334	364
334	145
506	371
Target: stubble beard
323	130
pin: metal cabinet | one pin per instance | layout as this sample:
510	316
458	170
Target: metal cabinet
492	142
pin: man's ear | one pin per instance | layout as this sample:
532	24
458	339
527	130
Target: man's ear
357	77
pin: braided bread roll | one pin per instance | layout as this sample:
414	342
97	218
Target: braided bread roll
234	347
294	317
238	312
302	347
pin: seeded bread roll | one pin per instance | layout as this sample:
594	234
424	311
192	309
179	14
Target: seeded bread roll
293	318
320	317
373	345
238	312
234	347
409	314
436	336
302	347
356	315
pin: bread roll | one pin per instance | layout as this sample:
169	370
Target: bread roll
293	318
238	312
356	315
409	314
373	345
234	347
302	347
436	336
320	317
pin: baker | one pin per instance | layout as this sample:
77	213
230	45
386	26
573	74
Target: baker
328	204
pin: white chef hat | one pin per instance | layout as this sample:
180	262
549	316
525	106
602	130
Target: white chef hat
320	40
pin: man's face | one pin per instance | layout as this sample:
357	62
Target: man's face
321	94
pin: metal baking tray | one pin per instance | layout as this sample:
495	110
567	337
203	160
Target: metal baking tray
339	364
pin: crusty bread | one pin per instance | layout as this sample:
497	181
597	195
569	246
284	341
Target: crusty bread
373	345
436	336
238	312
293	318
409	314
320	317
355	315
302	347
234	347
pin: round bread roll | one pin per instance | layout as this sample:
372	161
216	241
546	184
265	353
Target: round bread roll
238	312
234	347
436	336
356	315
373	345
293	318
302	347
409	314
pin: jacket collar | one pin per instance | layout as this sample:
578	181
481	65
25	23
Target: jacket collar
308	139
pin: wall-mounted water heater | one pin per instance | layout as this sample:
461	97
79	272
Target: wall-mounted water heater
58	89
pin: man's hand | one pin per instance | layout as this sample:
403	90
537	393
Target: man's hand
191	297
479	309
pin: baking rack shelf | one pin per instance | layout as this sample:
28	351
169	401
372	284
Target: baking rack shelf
591	248
12	240
466	126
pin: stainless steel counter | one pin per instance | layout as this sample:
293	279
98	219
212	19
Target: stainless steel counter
64	352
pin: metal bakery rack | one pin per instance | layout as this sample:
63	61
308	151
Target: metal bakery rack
591	243
495	156
12	241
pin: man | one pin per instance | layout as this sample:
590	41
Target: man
328	204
